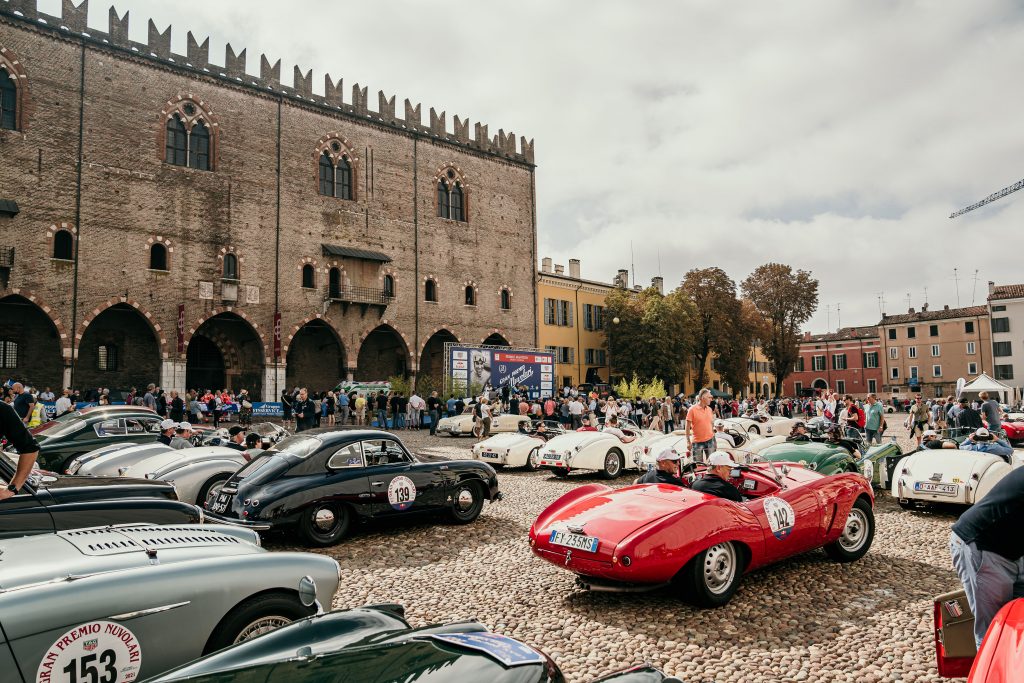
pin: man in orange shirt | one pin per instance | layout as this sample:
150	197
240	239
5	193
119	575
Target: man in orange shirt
700	430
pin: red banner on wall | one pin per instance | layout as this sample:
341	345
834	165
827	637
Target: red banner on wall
277	335
181	328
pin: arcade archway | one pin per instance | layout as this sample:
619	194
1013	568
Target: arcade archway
30	348
382	354
316	357
432	357
119	350
225	353
496	340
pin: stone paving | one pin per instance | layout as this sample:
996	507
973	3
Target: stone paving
805	619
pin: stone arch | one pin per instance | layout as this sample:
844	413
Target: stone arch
51	236
820	384
336	146
315	355
451	174
496	338
38	339
383	351
131	342
240	358
15	69
431	360
115	301
168	250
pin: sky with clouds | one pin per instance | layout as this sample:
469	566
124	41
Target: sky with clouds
836	137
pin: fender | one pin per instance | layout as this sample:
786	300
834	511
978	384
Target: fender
987	477
189	477
571	497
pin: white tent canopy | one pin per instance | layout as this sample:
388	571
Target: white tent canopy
985	383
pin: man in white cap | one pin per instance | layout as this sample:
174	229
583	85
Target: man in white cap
183	433
985	441
930	439
716	480
666	471
167	428
720	433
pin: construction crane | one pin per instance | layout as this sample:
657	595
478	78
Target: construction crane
989	199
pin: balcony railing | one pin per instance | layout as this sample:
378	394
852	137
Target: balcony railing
361	295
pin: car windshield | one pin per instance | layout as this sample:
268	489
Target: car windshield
63	427
299	445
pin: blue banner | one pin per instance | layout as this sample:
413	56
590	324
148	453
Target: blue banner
480	371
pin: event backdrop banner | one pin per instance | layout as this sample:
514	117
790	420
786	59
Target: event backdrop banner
491	369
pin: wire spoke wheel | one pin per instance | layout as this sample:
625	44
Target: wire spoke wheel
262	625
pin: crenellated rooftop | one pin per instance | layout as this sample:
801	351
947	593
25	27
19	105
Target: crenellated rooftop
74	21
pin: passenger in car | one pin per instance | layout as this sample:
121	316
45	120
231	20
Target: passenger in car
985	441
799	432
716	480
611	426
930	439
666	470
587	425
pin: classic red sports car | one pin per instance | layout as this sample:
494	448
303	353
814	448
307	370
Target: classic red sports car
651	535
1014	431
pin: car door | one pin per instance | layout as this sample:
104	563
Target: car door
790	520
346	471
400	485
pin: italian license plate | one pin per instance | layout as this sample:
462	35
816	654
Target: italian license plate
492	456
930	487
574	541
552	456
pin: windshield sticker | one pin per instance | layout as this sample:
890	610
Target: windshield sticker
780	517
401	493
508	651
97	651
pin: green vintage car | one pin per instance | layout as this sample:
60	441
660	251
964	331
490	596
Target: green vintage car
831	457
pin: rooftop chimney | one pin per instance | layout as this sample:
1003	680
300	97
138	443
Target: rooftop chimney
574	268
659	284
991	286
637	288
909	310
559	269
924	308
946	307
622	279
545	264
807	336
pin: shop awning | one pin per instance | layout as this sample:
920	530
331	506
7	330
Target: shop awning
354	252
9	207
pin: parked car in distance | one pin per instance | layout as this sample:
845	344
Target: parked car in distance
91	411
517	449
128	603
462	425
65	439
376	644
598	451
194	472
321	481
49	502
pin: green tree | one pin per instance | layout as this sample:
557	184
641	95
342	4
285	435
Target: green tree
735	347
786	299
652	336
717	316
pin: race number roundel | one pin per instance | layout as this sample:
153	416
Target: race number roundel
97	652
780	517
401	493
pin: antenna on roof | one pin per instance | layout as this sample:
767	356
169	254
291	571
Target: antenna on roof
974	289
881	304
632	261
925	296
908	301
839	314
828	318
956	283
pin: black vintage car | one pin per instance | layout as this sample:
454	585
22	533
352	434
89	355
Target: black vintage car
376	645
56	503
322	480
71	435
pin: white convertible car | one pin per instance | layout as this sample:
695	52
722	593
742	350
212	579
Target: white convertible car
195	472
763	425
743	445
949	476
462	425
109	460
516	449
598	450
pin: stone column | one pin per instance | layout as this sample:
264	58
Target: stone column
172	375
273	381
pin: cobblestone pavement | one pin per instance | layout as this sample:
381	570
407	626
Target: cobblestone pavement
805	619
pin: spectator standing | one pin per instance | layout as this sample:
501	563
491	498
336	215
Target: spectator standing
433	411
13	430
873	419
343	407
213	410
244	408
485	418
63	403
700	431
576	412
939	414
23	403
305	411
149	399
177	407
360	409
990	411
381	404
917	420
450	405
286	406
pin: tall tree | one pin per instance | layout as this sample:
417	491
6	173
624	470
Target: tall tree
786	299
717	313
652	336
734	351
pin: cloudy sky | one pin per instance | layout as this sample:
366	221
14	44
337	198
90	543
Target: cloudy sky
833	136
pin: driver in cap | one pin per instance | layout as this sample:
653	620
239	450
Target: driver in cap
716	480
666	471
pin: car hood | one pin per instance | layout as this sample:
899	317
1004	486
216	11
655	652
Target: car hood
85	487
614	515
808	451
37	559
180	456
573	440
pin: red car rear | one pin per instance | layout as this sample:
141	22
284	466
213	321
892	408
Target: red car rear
650	535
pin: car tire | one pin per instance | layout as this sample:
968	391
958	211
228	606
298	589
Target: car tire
711	578
324	524
467	502
216	481
613	464
532	459
858	532
258	614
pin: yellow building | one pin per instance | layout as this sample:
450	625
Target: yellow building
570	311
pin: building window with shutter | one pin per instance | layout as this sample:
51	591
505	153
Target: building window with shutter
839	362
1001	348
1000	324
871	360
1004	372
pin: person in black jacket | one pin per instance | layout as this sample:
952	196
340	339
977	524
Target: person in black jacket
988	550
715	480
666	471
14	431
968	419
237	435
305	411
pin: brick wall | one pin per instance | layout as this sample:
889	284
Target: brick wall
130	198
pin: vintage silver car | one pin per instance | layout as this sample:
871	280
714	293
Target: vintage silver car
131	602
195	472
